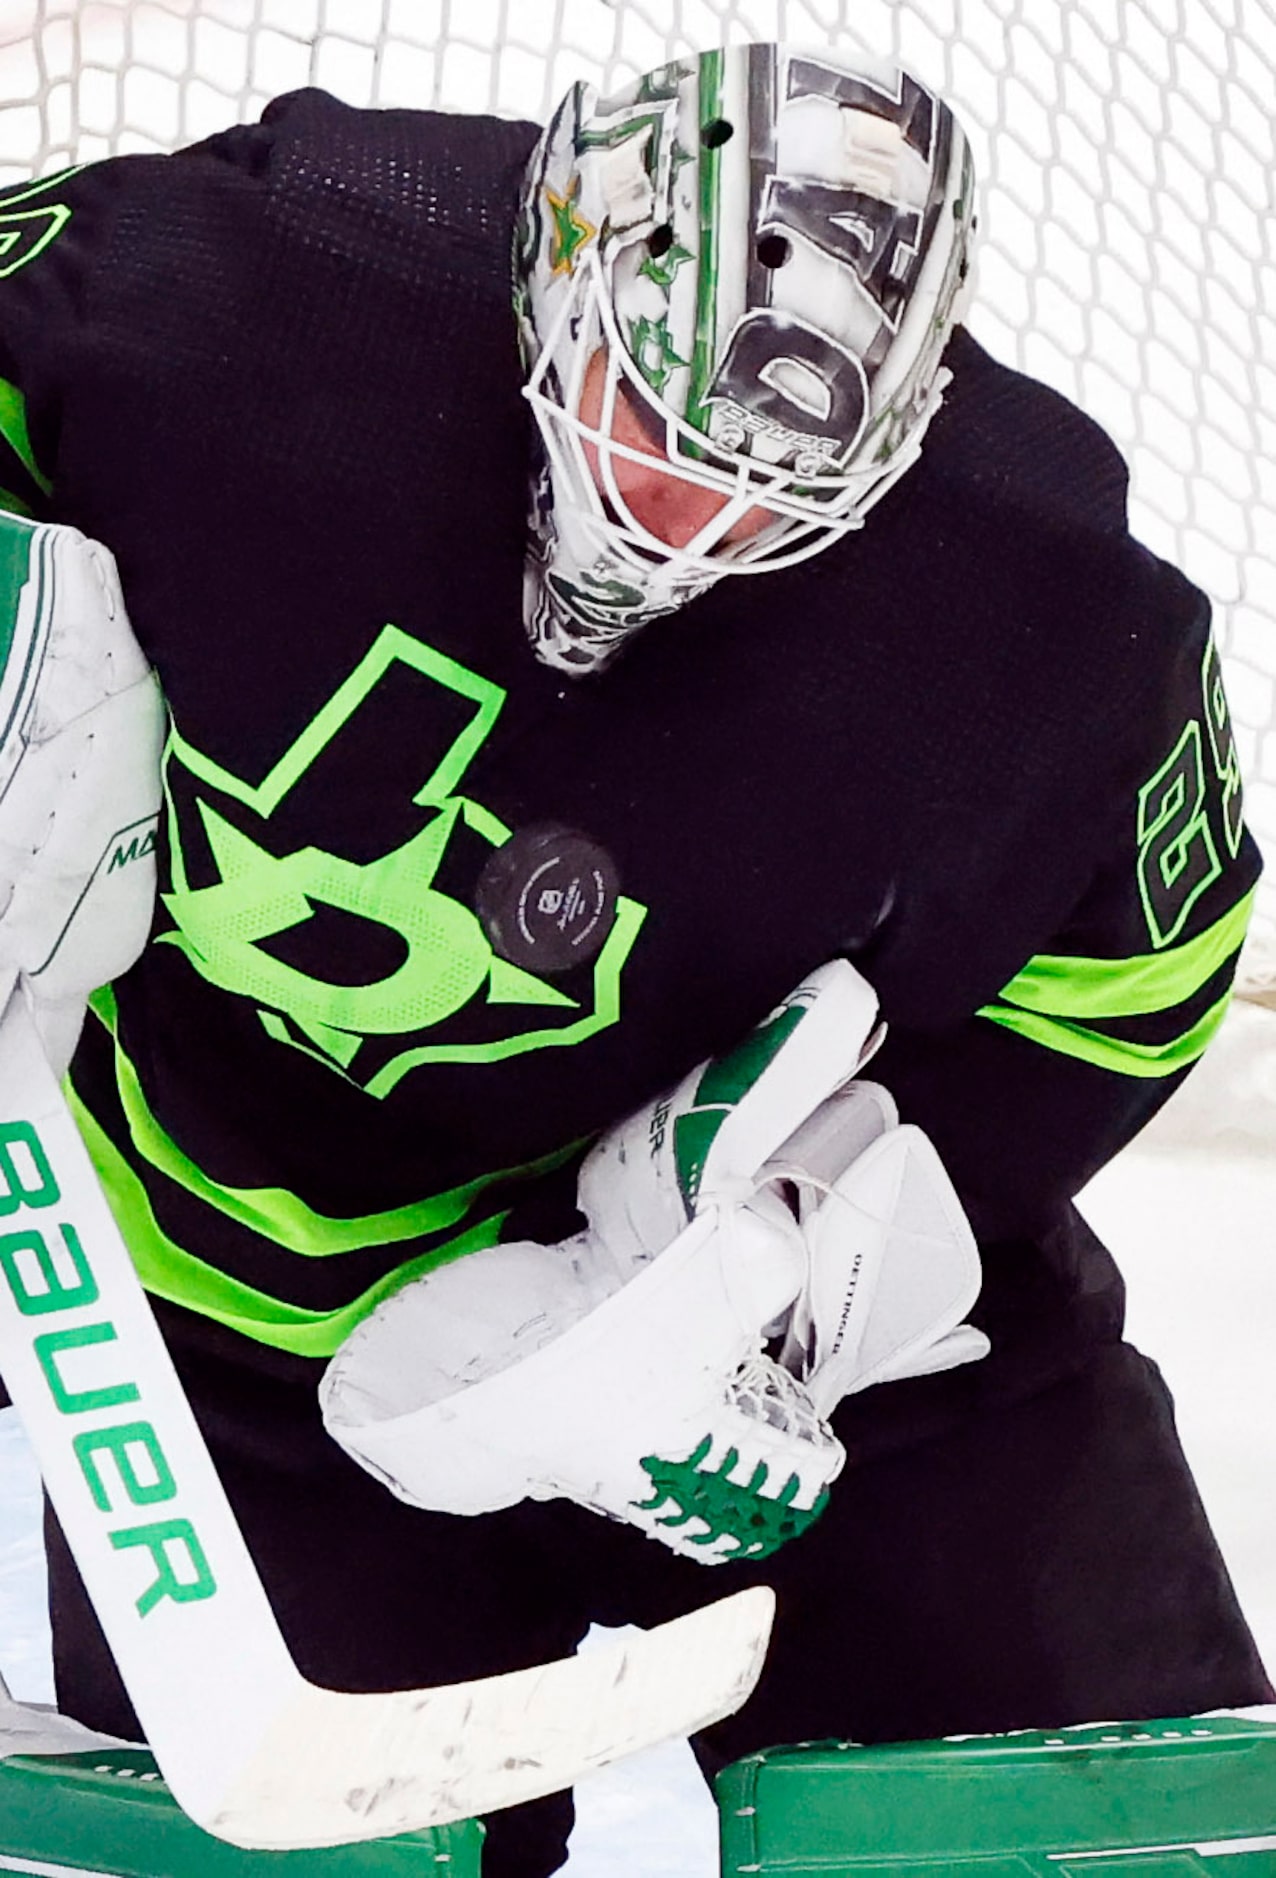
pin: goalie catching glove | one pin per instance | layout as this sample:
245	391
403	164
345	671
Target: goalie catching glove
625	1368
81	735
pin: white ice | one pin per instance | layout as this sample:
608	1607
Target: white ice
1190	1211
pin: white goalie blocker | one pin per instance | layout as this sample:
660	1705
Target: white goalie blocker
81	734
627	1368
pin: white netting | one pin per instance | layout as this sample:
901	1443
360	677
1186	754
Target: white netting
1126	155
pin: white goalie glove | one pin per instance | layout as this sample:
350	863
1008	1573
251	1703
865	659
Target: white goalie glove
81	735
893	1266
625	1368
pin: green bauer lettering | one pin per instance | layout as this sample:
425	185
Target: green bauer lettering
119	1443
14	1172
51	1293
78	1401
172	1544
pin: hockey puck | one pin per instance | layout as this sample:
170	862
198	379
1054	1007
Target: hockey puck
547	898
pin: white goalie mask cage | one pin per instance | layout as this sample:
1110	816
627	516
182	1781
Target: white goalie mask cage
768	248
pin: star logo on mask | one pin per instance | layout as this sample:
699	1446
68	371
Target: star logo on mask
662	268
571	231
653	351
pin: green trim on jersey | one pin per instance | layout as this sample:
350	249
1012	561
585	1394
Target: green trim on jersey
1061	986
1113	1053
391	645
13	428
273	1212
168	1271
1047	999
26	233
224	928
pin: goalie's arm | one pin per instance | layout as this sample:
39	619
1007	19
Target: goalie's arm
1077	1050
69	242
56	227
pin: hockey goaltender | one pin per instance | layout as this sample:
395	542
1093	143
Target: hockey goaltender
689	830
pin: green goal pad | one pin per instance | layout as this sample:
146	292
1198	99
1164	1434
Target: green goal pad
1163	1799
106	1813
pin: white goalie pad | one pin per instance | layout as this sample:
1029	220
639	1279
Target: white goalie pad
894	1267
81	735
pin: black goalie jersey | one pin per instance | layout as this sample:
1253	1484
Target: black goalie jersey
431	914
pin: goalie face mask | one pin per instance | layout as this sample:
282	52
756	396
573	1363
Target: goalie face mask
734	284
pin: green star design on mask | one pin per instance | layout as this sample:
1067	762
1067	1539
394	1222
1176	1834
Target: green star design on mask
601	602
653	351
444	961
614	135
571	231
662	269
679	157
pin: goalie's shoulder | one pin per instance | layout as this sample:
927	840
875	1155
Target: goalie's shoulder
1025	447
436	172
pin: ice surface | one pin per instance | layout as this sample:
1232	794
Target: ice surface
24	1629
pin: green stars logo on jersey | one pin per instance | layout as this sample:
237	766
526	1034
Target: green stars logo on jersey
414	977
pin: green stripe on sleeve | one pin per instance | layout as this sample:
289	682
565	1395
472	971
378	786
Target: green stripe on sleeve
1047	1000
1153	981
1114	1053
168	1271
274	1212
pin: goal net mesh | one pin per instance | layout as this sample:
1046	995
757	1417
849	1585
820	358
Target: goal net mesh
1128	252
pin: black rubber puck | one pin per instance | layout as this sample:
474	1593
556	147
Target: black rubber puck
547	898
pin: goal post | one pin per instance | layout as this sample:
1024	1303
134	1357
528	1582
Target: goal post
1128	250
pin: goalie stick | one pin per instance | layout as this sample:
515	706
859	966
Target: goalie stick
254	1752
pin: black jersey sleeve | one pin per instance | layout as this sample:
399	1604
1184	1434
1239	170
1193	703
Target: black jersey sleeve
60	237
46	248
1048	1079
64	240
